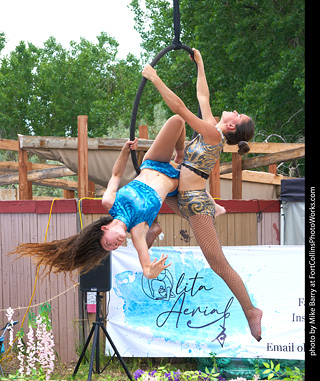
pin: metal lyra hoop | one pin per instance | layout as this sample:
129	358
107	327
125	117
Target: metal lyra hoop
173	46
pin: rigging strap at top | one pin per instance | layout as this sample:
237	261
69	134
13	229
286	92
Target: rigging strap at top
176	24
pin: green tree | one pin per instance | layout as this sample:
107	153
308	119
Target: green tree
42	91
253	53
115	111
2	40
71	83
16	84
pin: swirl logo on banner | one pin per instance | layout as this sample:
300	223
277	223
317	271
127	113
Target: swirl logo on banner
189	310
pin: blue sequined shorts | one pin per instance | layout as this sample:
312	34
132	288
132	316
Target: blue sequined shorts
165	168
195	202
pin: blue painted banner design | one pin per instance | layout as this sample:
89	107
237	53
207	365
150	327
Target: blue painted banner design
189	310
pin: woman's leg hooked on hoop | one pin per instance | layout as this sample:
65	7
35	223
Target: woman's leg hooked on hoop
171	137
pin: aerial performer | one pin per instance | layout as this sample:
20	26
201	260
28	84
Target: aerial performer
132	208
193	202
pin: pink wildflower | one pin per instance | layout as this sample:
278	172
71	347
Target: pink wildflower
45	344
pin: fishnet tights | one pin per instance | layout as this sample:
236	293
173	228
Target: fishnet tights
172	202
206	236
152	233
155	229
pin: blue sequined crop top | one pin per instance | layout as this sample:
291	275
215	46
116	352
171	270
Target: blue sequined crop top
136	202
201	157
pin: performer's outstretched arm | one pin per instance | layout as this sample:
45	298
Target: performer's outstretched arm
203	94
177	106
117	173
150	269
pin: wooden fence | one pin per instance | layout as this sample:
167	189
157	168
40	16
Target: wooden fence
254	222
247	222
26	222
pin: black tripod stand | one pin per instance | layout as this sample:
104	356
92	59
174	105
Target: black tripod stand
96	343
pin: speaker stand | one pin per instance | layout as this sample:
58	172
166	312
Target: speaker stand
96	344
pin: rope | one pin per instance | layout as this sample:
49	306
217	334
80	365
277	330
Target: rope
260	211
79	207
49	300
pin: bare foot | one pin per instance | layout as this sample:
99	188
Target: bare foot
219	210
254	316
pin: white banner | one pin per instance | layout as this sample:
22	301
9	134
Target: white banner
188	311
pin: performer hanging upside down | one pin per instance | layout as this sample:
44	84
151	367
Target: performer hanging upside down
194	202
136	205
132	208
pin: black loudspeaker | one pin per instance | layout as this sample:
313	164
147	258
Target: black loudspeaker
99	278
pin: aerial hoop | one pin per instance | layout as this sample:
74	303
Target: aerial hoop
173	46
176	45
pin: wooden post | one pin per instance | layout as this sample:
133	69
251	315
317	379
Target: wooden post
83	188
214	178
91	189
25	188
143	134
29	168
67	193
236	176
214	181
273	169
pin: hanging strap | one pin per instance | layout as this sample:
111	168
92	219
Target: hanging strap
176	24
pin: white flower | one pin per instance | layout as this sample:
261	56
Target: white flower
20	356
31	351
9	315
147	377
